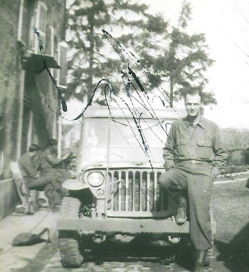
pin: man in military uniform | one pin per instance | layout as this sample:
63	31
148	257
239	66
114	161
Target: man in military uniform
193	158
29	165
51	165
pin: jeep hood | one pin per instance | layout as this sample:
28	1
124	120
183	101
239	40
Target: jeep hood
121	165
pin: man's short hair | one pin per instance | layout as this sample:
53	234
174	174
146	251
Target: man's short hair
34	147
52	142
192	91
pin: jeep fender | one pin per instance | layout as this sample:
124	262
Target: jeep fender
74	185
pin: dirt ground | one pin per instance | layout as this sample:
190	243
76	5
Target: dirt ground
230	207
231	213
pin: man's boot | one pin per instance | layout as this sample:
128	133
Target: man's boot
181	216
200	258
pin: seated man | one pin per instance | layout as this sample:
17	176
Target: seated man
51	165
29	164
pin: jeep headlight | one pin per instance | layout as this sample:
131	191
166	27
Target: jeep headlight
95	179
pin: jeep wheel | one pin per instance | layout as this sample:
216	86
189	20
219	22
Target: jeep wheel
69	245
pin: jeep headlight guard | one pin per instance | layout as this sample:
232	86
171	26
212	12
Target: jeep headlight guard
95	179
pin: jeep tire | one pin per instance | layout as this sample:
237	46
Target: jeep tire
69	244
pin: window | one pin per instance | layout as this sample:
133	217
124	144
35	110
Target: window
39	21
22	35
27	127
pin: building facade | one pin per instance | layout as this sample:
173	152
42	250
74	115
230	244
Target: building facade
29	100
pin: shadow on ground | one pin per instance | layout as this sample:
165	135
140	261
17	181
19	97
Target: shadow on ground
37	264
143	249
139	250
235	254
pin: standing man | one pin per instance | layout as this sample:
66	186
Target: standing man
193	157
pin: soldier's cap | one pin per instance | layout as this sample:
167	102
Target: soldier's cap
52	142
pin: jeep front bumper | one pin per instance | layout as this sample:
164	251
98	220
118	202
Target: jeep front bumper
125	226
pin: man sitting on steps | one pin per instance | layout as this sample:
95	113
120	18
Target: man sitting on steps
29	165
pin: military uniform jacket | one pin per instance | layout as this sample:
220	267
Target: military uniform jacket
28	166
199	143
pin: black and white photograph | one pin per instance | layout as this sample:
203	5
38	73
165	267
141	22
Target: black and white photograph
124	136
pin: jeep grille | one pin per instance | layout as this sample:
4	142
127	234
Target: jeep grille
135	193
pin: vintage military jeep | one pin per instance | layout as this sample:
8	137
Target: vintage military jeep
117	194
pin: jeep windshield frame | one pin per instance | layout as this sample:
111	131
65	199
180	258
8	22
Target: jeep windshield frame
114	137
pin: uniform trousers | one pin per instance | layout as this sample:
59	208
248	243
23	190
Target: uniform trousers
196	181
39	183
60	175
49	185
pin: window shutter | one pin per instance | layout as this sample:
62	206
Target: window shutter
62	75
40	23
42	11
22	35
